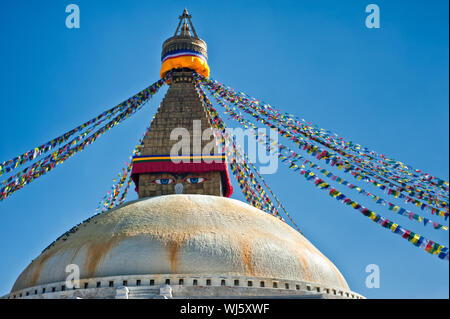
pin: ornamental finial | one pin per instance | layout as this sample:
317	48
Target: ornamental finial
185	18
184	50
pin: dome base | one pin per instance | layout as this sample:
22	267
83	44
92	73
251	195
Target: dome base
182	286
201	239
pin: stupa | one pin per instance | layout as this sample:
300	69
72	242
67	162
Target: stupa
184	237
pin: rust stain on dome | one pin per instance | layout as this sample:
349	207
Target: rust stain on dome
174	248
38	267
96	252
75	254
304	263
247	257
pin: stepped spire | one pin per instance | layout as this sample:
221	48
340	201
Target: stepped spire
181	152
181	130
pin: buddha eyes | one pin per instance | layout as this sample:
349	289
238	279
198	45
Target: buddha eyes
164	181
190	180
195	180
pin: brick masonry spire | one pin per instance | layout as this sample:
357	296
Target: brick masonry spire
181	127
180	111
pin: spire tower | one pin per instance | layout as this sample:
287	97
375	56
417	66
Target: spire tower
180	154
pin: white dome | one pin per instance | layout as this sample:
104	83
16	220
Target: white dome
183	234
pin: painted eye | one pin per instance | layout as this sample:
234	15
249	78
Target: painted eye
163	181
195	180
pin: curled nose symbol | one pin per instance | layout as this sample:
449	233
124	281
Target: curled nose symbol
178	188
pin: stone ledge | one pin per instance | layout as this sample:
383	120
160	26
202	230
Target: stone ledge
183	286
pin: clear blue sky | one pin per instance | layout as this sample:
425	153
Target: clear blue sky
384	88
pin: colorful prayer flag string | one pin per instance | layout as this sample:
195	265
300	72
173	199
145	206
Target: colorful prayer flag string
249	110
329	135
111	199
235	98
294	157
416	239
357	173
9	165
236	157
43	166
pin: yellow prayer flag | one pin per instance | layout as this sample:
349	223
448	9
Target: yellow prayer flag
394	226
437	251
415	239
